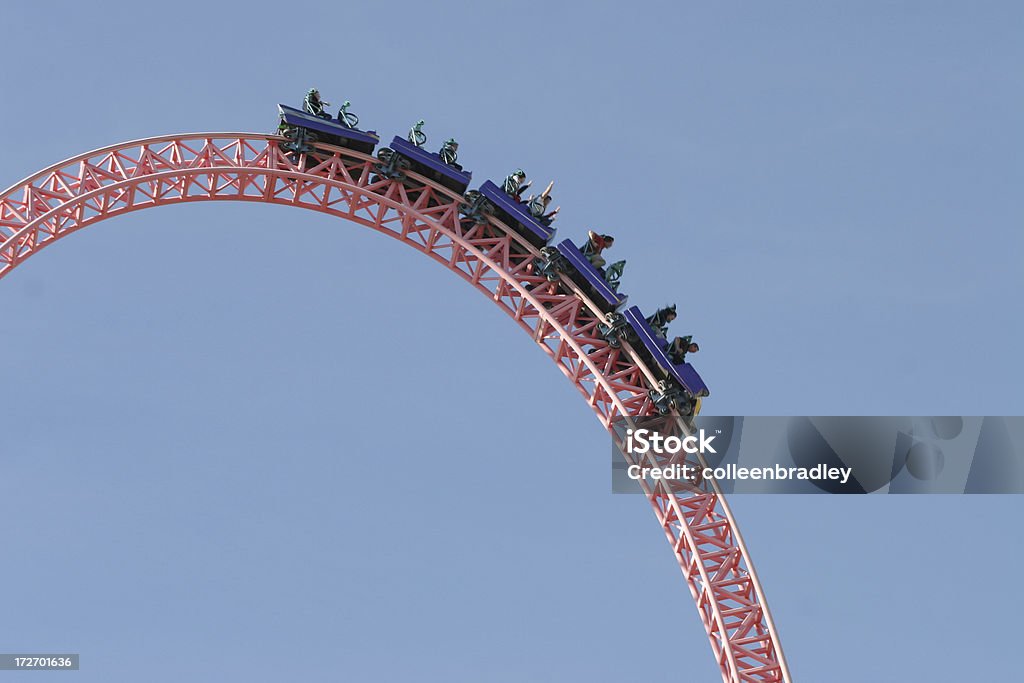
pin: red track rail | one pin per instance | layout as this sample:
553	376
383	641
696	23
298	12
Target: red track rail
251	167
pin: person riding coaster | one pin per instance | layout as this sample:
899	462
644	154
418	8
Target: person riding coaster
594	246
312	104
539	204
660	320
679	347
450	152
416	134
513	185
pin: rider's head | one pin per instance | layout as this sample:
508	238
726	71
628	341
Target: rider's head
313	91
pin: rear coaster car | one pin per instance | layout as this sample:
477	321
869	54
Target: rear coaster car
680	386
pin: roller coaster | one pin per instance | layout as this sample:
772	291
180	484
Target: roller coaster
498	244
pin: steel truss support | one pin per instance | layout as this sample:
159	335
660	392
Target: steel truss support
425	216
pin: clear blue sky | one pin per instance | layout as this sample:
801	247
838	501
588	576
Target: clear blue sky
198	473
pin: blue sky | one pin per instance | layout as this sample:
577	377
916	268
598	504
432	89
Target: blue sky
252	443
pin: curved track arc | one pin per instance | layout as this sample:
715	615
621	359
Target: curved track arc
131	176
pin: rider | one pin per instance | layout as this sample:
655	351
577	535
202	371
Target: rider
594	246
314	105
538	205
416	134
514	185
450	152
548	218
680	347
660	320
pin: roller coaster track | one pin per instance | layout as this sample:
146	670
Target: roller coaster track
424	215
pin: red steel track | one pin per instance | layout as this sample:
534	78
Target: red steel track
425	216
